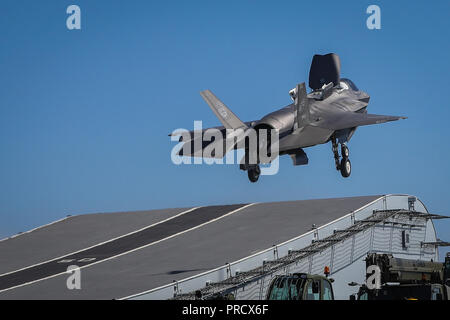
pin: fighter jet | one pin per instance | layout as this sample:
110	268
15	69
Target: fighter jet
330	112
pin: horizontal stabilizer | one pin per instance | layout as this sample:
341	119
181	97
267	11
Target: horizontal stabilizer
205	149
220	128
211	143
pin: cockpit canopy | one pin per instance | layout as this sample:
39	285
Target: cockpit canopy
349	83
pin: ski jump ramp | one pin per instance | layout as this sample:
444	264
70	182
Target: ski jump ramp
161	254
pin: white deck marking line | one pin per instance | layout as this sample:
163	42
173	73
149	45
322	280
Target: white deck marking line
101	243
133	250
37	228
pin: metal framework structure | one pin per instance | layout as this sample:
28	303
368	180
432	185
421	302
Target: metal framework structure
218	290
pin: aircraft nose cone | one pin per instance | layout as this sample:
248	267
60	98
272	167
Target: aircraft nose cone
364	97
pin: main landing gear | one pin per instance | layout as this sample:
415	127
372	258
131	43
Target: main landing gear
344	165
253	173
253	170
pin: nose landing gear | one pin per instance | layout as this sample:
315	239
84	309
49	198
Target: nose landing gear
343	165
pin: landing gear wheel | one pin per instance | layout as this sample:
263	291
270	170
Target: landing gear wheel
344	151
253	173
346	167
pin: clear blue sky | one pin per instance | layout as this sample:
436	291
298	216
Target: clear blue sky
84	115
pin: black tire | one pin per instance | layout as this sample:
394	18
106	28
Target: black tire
346	167
344	151
253	174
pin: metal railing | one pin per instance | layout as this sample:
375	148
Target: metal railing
255	277
379	238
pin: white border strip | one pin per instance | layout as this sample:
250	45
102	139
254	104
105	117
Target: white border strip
130	251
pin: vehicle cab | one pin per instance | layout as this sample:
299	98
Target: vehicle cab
300	286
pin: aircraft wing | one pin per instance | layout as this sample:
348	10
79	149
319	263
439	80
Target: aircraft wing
344	120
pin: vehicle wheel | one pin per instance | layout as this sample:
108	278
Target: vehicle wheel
346	167
253	173
344	151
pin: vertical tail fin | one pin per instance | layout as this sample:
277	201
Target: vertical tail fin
301	104
223	113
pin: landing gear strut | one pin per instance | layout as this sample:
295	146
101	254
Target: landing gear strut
344	165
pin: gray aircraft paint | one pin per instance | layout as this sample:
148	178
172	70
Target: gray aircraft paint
330	112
